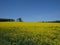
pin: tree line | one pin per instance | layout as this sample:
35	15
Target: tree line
20	20
56	21
10	20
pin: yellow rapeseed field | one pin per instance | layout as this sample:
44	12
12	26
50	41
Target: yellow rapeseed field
29	33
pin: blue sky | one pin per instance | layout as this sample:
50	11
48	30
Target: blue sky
30	10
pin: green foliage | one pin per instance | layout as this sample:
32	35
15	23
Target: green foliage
6	20
19	20
57	21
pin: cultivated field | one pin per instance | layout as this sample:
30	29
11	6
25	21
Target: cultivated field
29	33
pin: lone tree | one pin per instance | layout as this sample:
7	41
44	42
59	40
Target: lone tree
19	20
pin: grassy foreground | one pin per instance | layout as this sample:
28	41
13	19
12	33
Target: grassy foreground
25	33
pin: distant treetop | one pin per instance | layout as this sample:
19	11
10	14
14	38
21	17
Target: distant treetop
19	20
